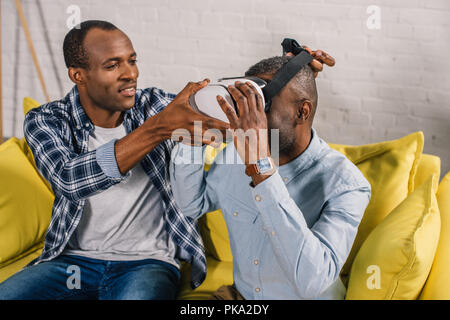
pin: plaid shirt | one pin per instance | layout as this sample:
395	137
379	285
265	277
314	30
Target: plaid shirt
58	135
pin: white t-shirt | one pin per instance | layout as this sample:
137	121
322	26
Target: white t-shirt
126	221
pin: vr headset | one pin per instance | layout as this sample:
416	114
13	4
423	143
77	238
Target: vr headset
204	101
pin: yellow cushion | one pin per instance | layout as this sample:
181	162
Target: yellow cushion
219	273
16	264
396	258
390	168
211	153
438	283
25	202
428	165
28	104
214	232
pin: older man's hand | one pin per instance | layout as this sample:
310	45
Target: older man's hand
320	58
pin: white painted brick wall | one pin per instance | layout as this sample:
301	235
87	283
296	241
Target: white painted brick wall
386	83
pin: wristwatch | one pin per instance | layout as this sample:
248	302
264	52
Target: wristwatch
262	166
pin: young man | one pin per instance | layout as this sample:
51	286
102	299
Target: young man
291	227
105	149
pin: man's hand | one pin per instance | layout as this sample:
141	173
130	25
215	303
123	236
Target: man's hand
181	120
177	115
250	131
320	58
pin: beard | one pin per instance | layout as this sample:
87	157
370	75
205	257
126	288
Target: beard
285	141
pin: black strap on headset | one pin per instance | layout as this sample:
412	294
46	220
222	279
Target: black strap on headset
290	45
289	70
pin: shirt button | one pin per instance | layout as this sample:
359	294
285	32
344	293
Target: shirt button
256	262
79	207
235	214
257	289
86	125
78	127
286	179
264	228
258	198
273	233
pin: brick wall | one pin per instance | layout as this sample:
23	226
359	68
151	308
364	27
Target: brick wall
387	82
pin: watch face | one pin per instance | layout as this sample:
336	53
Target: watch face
264	165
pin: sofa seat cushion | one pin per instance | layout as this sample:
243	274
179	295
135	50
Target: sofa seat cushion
219	273
16	264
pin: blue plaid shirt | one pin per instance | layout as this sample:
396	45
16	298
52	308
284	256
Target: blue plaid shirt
58	134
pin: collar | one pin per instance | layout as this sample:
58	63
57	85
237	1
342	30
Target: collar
304	160
80	117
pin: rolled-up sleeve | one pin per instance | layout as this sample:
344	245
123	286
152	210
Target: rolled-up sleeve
75	176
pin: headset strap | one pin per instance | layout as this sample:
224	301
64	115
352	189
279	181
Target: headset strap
291	45
286	73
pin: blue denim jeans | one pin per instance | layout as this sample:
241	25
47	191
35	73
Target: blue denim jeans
76	277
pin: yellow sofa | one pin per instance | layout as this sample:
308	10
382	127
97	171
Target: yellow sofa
405	196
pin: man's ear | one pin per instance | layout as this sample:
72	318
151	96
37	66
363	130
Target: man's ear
77	75
304	110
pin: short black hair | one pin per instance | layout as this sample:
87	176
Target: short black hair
304	79
75	54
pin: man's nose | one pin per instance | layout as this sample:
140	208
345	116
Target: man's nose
130	72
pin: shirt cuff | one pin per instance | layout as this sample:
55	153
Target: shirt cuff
106	159
270	191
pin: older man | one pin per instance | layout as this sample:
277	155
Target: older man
291	226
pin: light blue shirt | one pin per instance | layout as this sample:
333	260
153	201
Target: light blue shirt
291	234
